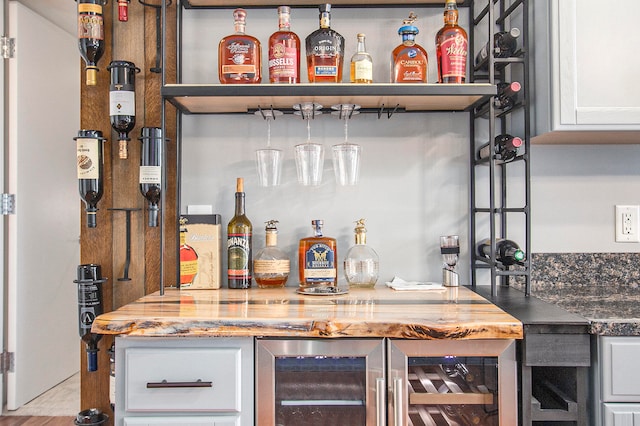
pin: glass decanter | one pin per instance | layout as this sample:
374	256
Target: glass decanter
271	265
361	263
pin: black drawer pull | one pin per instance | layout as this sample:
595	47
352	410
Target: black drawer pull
164	384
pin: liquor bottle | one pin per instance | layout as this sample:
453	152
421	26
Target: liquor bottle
361	262
507	95
239	55
325	51
188	258
505	44
409	61
361	63
122	102
89	148
271	265
284	51
505	148
90	36
507	252
151	169
451	47
239	247
317	259
123	10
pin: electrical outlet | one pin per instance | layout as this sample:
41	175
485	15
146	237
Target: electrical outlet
627	224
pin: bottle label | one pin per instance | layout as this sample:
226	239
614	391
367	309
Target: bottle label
283	61
151	174
453	53
188	268
319	264
271	266
238	59
326	71
88	158
122	102
363	71
411	67
89	25
238	251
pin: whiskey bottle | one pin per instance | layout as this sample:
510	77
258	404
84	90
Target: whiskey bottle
239	247
90	37
451	47
507	251
239	55
317	259
361	262
325	51
271	265
505	148
90	157
361	63
507	95
284	51
505	44
409	61
188	258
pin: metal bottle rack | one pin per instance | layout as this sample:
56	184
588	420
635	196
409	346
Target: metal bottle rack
476	97
500	15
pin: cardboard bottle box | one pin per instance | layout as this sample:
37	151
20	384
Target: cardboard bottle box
204	235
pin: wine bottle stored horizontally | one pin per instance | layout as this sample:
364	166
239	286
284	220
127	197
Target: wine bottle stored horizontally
91	36
505	44
239	244
89	148
122	102
507	251
151	169
505	148
507	95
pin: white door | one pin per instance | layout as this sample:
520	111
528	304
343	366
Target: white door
42	239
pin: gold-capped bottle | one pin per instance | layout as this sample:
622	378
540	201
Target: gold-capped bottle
361	63
361	262
271	265
239	55
239	247
317	259
409	61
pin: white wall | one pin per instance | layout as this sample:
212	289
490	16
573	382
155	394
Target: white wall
414	181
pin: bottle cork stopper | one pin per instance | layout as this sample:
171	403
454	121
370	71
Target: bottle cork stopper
92	76
239	185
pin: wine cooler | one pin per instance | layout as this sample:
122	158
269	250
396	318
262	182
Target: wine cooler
320	382
452	383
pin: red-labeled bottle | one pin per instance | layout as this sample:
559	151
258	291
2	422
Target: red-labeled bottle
284	51
451	47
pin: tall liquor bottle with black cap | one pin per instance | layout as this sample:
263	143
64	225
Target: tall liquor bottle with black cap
325	51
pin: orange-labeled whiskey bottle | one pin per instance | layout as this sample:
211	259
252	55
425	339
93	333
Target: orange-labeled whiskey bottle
325	51
451	47
284	51
409	61
317	259
188	258
239	55
271	265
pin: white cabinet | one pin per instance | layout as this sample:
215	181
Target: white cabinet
184	381
584	72
617	380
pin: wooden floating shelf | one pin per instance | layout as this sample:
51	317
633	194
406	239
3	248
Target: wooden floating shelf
243	98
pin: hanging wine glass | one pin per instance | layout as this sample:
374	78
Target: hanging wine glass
269	160
346	155
309	156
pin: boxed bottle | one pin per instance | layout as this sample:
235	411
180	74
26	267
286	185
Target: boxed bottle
203	235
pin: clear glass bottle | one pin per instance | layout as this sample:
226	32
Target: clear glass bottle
325	51
361	63
409	61
271	265
317	259
239	55
362	262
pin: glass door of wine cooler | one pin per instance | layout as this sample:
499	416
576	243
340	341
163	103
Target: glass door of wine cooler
320	382
452	383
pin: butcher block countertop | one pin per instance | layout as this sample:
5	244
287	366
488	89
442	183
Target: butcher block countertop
448	313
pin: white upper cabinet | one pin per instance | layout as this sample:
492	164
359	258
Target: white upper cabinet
584	71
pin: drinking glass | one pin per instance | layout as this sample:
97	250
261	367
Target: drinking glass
309	156
269	160
346	156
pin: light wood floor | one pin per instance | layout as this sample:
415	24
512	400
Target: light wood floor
35	421
57	403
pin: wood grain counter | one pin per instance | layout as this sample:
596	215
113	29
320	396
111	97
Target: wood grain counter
452	313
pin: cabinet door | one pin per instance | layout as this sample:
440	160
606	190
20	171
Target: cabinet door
181	421
621	414
596	68
620	376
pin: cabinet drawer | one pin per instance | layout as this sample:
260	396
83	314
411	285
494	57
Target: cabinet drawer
557	350
182	421
189	379
620	373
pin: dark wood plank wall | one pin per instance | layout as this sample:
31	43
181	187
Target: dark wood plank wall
135	41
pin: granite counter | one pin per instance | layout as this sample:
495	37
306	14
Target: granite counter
448	313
